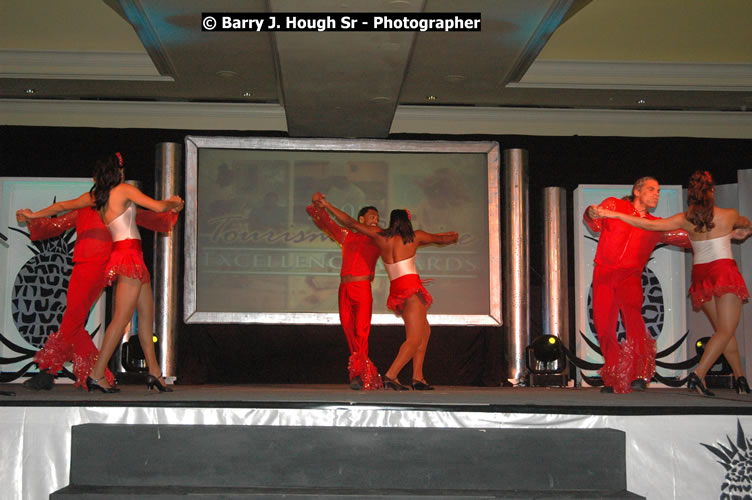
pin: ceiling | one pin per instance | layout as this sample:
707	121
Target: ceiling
643	56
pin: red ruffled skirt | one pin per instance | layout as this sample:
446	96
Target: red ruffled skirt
127	259
714	279
403	288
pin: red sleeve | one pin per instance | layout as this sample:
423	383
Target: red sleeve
49	227
596	225
156	221
677	237
324	221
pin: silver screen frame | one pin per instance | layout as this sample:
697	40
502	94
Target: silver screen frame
194	143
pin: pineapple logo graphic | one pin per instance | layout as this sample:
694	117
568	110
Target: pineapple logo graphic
737	460
39	290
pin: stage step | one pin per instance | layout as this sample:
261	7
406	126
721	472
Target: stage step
162	462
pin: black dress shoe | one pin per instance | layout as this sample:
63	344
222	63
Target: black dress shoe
356	383
94	384
392	383
42	381
152	382
741	385
421	385
607	389
695	384
638	385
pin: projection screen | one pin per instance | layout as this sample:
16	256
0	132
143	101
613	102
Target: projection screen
253	254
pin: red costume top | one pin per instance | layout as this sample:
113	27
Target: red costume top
359	253
93	240
626	247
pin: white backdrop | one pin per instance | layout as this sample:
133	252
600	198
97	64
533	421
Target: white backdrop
16	252
666	264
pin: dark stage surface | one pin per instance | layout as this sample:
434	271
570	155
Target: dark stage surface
576	401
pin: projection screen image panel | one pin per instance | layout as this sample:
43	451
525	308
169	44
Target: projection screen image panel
254	255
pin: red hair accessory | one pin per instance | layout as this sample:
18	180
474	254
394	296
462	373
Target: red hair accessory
120	158
409	217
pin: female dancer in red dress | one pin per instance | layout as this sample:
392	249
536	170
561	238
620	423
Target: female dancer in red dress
407	295
717	287
116	202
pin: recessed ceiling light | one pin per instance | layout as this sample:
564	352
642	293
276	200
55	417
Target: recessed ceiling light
431	97
455	78
641	101
226	74
380	98
30	91
248	94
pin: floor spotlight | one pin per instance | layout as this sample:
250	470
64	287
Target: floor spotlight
546	361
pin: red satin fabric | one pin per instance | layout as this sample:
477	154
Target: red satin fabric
614	291
714	279
127	259
403	288
359	256
622	246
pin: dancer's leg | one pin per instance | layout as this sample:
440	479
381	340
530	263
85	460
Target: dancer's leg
727	308
414	317
145	308
126	296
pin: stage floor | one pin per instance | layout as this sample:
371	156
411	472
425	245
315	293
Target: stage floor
577	401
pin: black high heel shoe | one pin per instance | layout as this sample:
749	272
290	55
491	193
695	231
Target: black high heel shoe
742	387
421	385
391	383
92	384
695	384
152	382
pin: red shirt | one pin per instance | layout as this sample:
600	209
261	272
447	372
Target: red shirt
93	239
622	246
359	253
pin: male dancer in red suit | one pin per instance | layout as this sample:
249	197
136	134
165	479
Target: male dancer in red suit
90	255
622	253
359	256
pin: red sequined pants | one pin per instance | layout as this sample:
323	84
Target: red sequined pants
616	290
355	306
72	342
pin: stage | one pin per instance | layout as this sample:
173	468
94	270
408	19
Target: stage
668	432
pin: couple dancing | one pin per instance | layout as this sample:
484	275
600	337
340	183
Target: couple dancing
363	241
717	286
107	250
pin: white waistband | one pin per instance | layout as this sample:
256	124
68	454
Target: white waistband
705	251
401	268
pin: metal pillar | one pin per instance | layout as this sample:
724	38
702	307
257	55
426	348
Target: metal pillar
516	263
555	278
168	181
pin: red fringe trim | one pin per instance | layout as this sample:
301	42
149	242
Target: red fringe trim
362	366
54	353
631	365
714	279
405	287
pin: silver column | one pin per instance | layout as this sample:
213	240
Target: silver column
168	177
555	279
516	262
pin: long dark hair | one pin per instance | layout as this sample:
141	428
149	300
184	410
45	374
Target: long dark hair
700	200
107	175
399	224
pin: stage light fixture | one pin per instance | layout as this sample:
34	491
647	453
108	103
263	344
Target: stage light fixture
545	356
